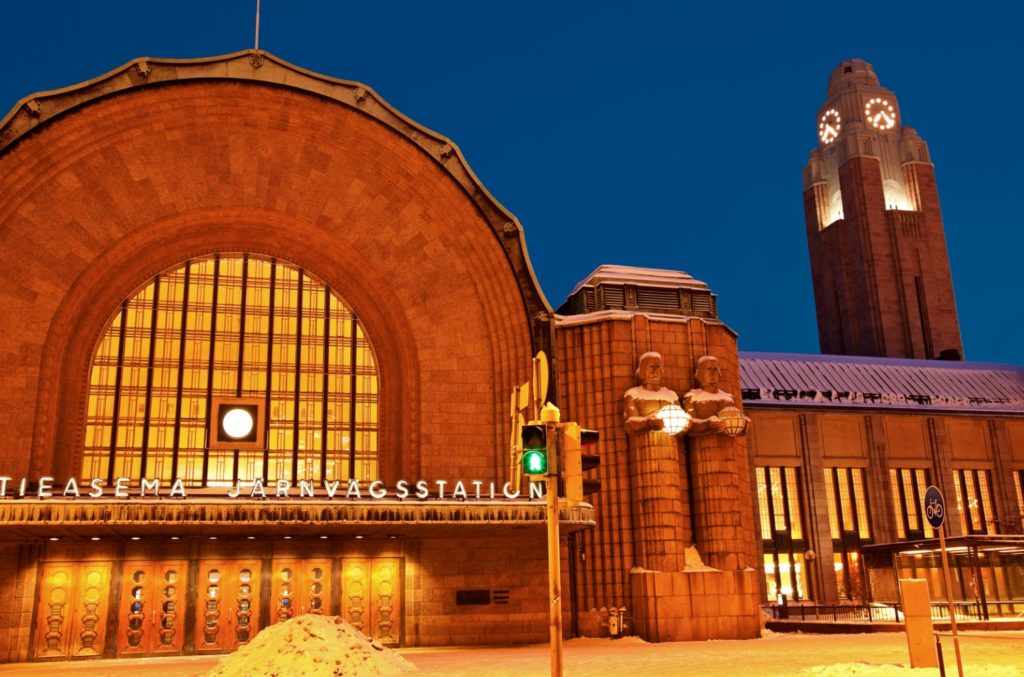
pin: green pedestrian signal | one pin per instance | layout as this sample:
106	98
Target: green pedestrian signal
535	463
535	450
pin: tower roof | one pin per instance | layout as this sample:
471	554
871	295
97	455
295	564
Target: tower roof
851	72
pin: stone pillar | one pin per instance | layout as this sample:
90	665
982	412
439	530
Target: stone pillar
816	528
722	539
660	530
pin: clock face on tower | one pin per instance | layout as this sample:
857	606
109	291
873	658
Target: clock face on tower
880	114
828	126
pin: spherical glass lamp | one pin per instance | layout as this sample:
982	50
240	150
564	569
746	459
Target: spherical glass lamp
676	420
735	421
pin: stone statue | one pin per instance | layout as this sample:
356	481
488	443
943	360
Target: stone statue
643	402
658	480
719	471
713	410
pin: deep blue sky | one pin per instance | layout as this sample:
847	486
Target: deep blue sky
643	133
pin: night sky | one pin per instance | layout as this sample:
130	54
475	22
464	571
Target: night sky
645	134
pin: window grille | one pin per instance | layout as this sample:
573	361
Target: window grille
232	325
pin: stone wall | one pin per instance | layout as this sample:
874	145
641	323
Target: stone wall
98	201
681	606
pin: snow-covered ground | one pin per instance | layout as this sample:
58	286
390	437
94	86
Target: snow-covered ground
777	654
985	655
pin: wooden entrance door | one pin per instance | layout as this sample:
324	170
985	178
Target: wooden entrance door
371	596
227	613
150	619
300	587
72	609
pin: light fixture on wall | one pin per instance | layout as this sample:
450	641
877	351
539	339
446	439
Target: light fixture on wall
675	418
237	423
735	422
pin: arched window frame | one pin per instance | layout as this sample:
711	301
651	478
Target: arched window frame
233	325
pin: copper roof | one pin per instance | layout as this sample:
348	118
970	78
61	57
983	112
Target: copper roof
834	380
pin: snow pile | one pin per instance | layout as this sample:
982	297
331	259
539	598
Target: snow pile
870	670
311	646
694	562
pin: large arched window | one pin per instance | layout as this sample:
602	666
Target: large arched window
232	325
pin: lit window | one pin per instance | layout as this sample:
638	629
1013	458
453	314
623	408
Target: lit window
778	491
848	512
974	501
908	489
233	326
1018	480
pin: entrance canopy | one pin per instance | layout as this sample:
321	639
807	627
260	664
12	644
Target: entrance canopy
987	572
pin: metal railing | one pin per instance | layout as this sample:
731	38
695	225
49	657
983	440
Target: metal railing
836	613
892	612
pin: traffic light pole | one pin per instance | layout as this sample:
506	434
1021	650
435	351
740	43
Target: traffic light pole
554	550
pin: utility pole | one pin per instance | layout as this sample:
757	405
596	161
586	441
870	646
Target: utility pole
550	417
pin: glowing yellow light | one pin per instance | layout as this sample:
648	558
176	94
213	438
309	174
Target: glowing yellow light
237	423
676	420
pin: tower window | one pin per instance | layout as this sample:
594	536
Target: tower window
233	326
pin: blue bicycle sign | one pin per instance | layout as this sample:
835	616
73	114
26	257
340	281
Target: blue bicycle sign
934	507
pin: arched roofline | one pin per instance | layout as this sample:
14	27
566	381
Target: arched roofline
257	66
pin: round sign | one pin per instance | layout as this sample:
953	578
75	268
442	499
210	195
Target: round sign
934	507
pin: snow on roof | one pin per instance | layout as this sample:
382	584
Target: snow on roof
879	381
650	277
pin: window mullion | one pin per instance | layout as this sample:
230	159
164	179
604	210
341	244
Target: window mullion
326	384
352	400
118	379
154	315
270	369
298	380
210	364
183	340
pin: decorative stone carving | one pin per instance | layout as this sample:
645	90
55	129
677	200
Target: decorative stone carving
713	410
717	461
643	402
657	478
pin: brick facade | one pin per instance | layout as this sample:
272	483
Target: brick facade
879	441
111	183
116	189
653	504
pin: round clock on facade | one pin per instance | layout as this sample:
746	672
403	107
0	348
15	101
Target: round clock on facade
829	125
880	113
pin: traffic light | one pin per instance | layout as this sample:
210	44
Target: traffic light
577	454
535	450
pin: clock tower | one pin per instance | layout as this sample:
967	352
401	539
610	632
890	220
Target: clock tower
882	284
